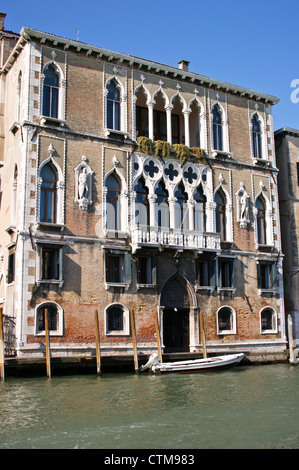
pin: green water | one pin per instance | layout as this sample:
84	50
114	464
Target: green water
248	407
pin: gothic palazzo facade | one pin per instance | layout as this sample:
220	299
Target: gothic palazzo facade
128	185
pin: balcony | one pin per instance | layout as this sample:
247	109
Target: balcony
148	236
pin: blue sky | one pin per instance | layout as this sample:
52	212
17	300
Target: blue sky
248	43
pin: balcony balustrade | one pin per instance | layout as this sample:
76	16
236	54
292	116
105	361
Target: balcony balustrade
146	236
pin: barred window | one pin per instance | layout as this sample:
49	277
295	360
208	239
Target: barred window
117	320
268	319
55	318
226	320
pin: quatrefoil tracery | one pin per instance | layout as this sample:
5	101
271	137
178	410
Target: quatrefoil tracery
171	172
190	175
151	169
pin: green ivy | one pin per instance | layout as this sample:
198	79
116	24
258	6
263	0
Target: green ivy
145	145
198	152
182	152
162	148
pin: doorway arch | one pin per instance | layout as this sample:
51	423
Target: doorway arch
176	302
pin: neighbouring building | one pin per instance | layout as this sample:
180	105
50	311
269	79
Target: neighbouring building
131	185
287	151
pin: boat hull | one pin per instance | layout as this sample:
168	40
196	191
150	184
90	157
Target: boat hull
198	365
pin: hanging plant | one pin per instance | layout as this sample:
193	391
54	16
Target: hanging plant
145	145
182	152
162	148
199	153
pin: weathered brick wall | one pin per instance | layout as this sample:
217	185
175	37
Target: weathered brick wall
84	289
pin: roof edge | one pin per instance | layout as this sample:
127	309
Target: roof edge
29	33
287	131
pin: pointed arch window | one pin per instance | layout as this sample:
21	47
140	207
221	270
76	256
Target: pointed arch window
181	217
200	210
141	203
48	199
261	220
51	92
113	106
162	204
220	201
217	128
256	137
112	202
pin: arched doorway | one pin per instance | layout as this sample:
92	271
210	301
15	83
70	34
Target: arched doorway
176	309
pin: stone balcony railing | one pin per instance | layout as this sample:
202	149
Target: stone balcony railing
143	235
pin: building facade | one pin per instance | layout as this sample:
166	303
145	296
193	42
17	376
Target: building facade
128	185
287	151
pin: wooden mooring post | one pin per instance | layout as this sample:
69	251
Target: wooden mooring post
134	341
202	332
158	335
48	351
2	360
293	358
98	350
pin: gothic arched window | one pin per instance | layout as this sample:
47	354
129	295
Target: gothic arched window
162	204
113	106
48	198
141	203
200	210
261	220
220	213
112	202
181	216
256	137
217	128
51	92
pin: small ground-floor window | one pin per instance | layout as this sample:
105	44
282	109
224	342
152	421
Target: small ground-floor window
55	318
226	321
268	319
117	320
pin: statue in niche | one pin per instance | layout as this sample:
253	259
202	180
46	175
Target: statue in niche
242	206
83	184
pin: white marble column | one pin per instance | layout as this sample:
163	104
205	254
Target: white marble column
150	107
186	113
168	122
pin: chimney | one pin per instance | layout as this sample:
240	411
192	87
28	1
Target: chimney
2	18
184	65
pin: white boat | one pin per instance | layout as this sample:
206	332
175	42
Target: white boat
194	365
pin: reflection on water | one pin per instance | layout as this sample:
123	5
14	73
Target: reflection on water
245	407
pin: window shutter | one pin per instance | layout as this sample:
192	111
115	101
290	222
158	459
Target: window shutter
106	268
231	269
259	280
154	270
40	264
273	276
127	268
60	266
212	273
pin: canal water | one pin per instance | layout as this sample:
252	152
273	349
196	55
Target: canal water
248	407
